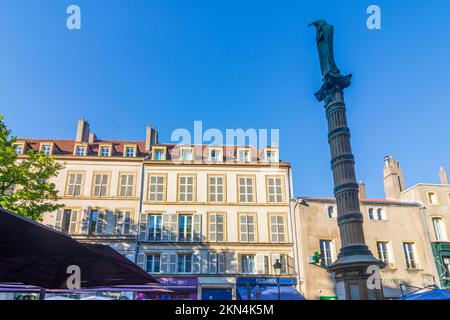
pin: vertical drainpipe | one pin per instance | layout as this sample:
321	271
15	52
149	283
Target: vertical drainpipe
293	226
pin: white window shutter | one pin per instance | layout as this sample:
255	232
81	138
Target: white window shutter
172	263
143	227
58	221
259	263
141	260
290	265
222	263
164	263
109	222
197	227
84	228
231	265
73	222
203	261
196	262
166	227
173	227
212	263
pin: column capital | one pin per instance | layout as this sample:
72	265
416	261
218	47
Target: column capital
331	85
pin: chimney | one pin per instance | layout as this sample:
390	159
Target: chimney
362	190
82	131
92	138
151	138
443	176
394	182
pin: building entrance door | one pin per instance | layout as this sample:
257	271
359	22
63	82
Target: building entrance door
217	294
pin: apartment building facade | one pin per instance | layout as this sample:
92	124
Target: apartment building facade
208	222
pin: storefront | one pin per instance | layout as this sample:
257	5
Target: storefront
183	289
267	289
216	288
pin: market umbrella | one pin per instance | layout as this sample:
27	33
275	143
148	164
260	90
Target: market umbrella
33	254
437	294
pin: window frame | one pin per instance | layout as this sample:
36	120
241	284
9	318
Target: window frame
51	146
224	187
209	222
164	194
194	187
153	254
243	149
159	216
443	229
105	218
332	252
123	224
22	145
131	146
106	145
253	177
284	215
429	199
186	149
185	255
159	148
80	145
255	222
108	187
216	149
407	259
241	265
83	177
119	184
282	186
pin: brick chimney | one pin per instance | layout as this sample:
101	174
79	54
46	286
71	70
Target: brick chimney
82	131
151	138
443	176
362	190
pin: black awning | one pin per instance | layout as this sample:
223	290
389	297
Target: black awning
34	254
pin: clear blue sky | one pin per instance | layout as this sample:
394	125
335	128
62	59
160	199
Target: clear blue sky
235	64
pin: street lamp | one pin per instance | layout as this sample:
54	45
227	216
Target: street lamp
277	266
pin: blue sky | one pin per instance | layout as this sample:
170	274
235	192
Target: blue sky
235	64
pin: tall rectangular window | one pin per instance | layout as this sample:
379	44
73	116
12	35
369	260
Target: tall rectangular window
216	227
97	221
277	228
248	263
275	189
130	152
247	227
184	263
154	227
74	184
383	251
185	229
410	255
153	263
326	252
186	185
432	198
123	222
156	188
69	221
246	186
216	188
126	188
101	183
439	229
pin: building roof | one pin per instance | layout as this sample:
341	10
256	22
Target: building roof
385	202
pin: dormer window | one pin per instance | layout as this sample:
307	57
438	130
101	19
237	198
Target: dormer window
46	148
80	150
244	155
104	151
215	155
270	155
129	152
19	148
159	153
186	154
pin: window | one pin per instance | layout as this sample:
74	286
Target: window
216	188
376	214
80	151
46	149
186	188
275	189
446	263
156	188
244	155
248	263
74	184
326	253
126	187
153	263
439	229
159	154
383	252
216	227
247	227
246	189
410	258
154	227
97	221
123	222
215	155
283	261
101	183
105	151
216	263
277	228
331	213
18	148
271	156
432	198
184	263
186	154
185	229
69	221
130	152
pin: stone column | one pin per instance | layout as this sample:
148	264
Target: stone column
351	267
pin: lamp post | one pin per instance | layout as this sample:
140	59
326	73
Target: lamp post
277	266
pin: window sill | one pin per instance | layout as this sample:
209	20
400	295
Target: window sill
414	270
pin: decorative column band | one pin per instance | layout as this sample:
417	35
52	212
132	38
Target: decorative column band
350	217
348	157
333	109
338	131
346	187
334	104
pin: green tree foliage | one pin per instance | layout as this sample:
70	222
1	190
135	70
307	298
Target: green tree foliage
24	186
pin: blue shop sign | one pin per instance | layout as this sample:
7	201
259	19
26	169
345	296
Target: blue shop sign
266	281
